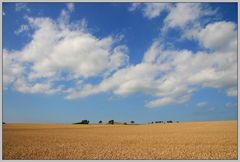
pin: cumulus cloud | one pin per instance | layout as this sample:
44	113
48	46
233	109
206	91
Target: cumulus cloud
12	68
153	10
60	51
181	14
214	67
123	82
150	10
220	35
24	86
170	75
187	17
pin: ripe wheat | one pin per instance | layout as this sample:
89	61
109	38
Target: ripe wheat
196	140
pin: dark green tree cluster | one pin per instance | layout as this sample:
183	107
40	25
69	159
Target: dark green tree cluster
83	122
111	122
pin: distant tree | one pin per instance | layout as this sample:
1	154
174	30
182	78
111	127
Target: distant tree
125	123
100	122
132	122
158	121
3	123
170	121
111	122
83	122
152	122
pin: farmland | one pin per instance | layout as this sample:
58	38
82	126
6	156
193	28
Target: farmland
189	140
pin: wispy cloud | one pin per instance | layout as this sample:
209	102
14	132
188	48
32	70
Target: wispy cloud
150	10
70	6
22	28
21	7
134	6
230	105
201	104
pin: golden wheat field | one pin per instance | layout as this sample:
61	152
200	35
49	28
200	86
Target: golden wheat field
195	140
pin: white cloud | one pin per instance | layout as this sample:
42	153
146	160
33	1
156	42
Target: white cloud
134	6
150	10
24	86
232	91
12	68
170	75
187	17
179	14
182	14
152	53
172	84
23	28
74	51
123	82
64	51
21	6
60	51
218	35
201	104
70	7
160	102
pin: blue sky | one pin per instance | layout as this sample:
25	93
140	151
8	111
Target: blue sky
65	62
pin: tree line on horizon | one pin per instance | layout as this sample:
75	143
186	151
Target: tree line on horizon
125	123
